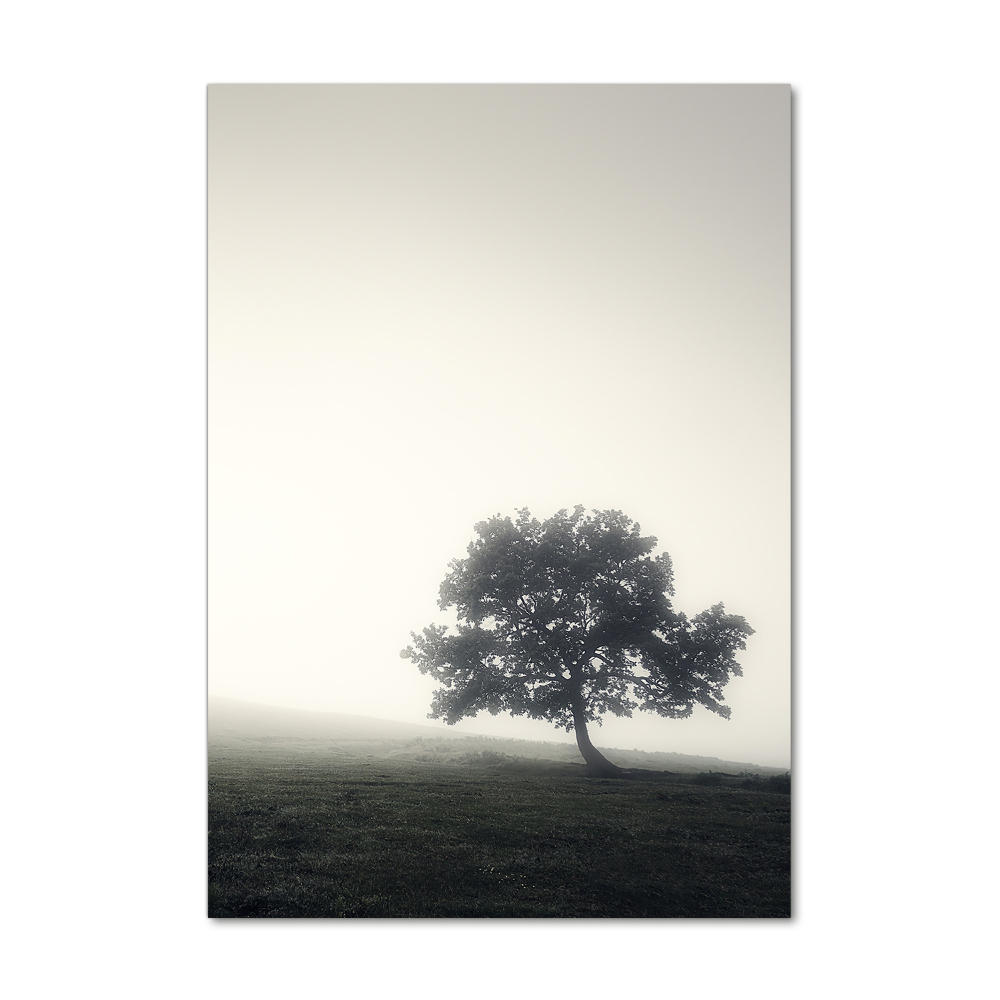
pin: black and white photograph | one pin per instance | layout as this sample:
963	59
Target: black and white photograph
499	501
498	498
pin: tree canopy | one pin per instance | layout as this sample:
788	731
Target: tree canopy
569	619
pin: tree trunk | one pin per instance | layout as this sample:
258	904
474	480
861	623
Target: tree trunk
598	765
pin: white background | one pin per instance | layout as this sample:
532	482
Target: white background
103	534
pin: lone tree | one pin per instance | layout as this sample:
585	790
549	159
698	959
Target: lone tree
568	619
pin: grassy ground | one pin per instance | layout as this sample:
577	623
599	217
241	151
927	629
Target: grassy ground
303	836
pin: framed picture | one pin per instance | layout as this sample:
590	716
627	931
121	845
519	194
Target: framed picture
499	515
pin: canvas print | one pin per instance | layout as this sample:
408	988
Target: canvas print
499	501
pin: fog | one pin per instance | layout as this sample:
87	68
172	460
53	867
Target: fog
431	304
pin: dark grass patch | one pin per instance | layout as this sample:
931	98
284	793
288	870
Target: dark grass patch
336	838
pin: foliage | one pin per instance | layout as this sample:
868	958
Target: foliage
781	783
707	778
568	619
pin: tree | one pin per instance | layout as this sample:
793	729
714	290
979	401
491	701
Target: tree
567	620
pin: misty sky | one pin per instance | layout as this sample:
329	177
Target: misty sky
432	304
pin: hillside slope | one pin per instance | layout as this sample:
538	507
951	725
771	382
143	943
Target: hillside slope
244	726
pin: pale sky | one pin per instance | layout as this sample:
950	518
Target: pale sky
432	304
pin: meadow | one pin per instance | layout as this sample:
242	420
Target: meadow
414	828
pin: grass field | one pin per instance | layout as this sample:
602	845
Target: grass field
295	834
